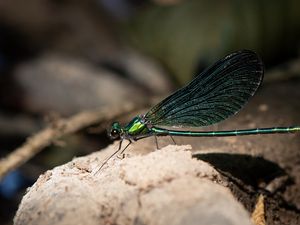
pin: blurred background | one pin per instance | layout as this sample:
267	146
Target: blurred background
61	57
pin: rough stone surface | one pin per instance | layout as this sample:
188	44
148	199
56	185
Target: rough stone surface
163	187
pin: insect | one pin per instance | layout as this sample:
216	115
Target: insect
217	93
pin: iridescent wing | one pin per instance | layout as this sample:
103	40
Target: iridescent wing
214	95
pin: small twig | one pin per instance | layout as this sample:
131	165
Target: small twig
37	142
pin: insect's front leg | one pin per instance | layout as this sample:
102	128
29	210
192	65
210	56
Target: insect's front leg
121	155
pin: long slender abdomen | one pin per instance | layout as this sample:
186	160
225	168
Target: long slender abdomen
272	130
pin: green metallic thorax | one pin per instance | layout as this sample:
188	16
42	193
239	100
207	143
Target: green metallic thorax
136	127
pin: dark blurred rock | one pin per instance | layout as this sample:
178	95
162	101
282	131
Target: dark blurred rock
80	31
67	85
77	27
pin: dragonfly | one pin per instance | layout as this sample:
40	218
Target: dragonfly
216	94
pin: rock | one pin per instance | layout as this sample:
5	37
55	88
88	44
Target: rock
68	85
162	187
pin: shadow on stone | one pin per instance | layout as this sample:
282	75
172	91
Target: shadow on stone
251	170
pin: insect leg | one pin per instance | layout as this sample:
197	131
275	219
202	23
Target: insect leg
173	139
122	152
156	142
106	160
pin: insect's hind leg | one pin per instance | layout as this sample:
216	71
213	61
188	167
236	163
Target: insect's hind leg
173	139
156	142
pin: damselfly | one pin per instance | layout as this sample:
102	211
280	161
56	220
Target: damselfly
217	93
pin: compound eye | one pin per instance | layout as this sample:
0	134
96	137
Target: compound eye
114	133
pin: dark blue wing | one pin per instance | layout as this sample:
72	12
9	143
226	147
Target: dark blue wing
214	95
